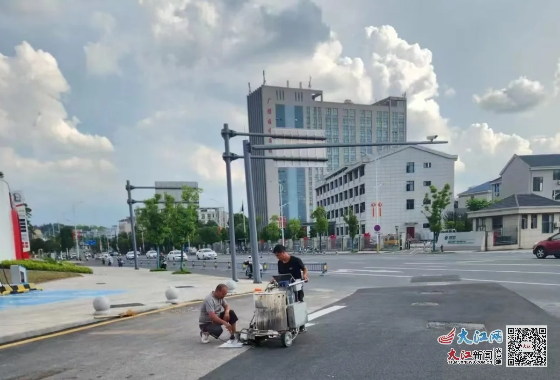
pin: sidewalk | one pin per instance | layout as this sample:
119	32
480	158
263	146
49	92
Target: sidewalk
121	285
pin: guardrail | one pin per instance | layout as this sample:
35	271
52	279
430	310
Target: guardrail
267	267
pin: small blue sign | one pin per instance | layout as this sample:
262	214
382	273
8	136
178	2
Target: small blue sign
91	242
377	228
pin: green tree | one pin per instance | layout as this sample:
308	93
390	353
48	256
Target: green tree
353	225
458	221
272	231
477	204
319	215
152	221
294	229
224	234
435	203
209	235
65	238
184	218
124	243
51	245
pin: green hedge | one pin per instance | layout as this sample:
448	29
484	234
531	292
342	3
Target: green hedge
47	267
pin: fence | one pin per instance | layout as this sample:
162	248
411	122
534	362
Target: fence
329	243
226	265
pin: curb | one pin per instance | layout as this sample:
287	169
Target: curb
67	328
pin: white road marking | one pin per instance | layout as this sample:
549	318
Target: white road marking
510	282
373	271
373	274
462	270
326	311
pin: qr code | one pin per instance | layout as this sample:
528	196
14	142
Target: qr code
526	346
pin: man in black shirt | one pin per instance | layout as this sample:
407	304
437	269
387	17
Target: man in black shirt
288	264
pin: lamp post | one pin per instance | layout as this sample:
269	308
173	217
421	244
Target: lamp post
281	210
398	237
76	230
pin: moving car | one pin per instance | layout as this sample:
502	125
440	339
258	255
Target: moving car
206	254
548	247
130	255
176	255
151	254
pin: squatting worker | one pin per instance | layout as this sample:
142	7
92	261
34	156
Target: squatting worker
288	264
215	313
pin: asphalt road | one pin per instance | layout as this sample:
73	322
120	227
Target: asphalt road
377	334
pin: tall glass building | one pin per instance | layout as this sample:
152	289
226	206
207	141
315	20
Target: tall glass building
284	107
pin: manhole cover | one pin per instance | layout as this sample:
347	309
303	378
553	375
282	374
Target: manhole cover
425	304
101	283
458	325
184	286
126	305
434	292
443	278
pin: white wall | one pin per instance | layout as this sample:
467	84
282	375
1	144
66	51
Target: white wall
461	241
548	183
516	179
392	178
7	244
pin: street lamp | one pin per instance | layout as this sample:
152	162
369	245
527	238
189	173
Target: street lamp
76	229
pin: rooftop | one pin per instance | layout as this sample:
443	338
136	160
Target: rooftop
541	160
477	189
521	200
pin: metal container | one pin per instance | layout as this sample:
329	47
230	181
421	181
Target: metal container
270	311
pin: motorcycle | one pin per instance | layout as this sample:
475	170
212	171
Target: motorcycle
103	261
120	262
249	269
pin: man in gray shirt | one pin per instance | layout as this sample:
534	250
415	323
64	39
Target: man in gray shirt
215	313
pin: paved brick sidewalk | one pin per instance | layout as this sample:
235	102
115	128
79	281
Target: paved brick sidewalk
128	286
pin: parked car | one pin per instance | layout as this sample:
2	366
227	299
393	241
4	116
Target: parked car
151	254
176	256
206	254
548	247
130	255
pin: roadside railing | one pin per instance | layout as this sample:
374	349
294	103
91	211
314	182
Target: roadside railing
321	268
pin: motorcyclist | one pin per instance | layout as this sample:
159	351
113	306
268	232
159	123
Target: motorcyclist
110	260
249	264
120	261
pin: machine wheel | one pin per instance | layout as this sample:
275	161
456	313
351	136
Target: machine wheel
286	338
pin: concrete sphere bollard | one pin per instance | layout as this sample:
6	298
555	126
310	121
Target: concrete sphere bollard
101	305
172	295
232	285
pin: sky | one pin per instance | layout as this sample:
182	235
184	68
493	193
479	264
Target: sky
94	93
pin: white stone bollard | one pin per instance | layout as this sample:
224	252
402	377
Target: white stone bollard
232	285
101	305
172	295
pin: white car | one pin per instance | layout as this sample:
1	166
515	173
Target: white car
130	255
206	254
151	254
176	256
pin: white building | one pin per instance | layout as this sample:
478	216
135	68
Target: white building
213	214
125	227
403	178
481	192
303	108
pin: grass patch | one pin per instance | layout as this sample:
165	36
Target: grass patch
38	276
158	270
181	271
36	265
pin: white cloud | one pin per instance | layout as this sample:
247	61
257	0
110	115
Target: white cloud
520	95
448	92
557	79
41	148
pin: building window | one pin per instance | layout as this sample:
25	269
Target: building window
524	221
547	223
410	167
537	183
410	204
409	185
497	223
362	207
556	195
427	165
427	183
556	175
426	225
533	221
363	228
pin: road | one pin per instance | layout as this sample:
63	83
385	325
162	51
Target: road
381	330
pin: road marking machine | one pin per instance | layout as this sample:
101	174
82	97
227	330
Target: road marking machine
278	313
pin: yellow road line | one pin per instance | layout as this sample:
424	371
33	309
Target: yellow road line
108	322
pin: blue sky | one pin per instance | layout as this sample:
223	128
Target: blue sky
151	83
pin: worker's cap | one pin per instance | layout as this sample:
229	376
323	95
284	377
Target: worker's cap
279	248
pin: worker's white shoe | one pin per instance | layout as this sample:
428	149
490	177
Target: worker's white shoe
204	338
